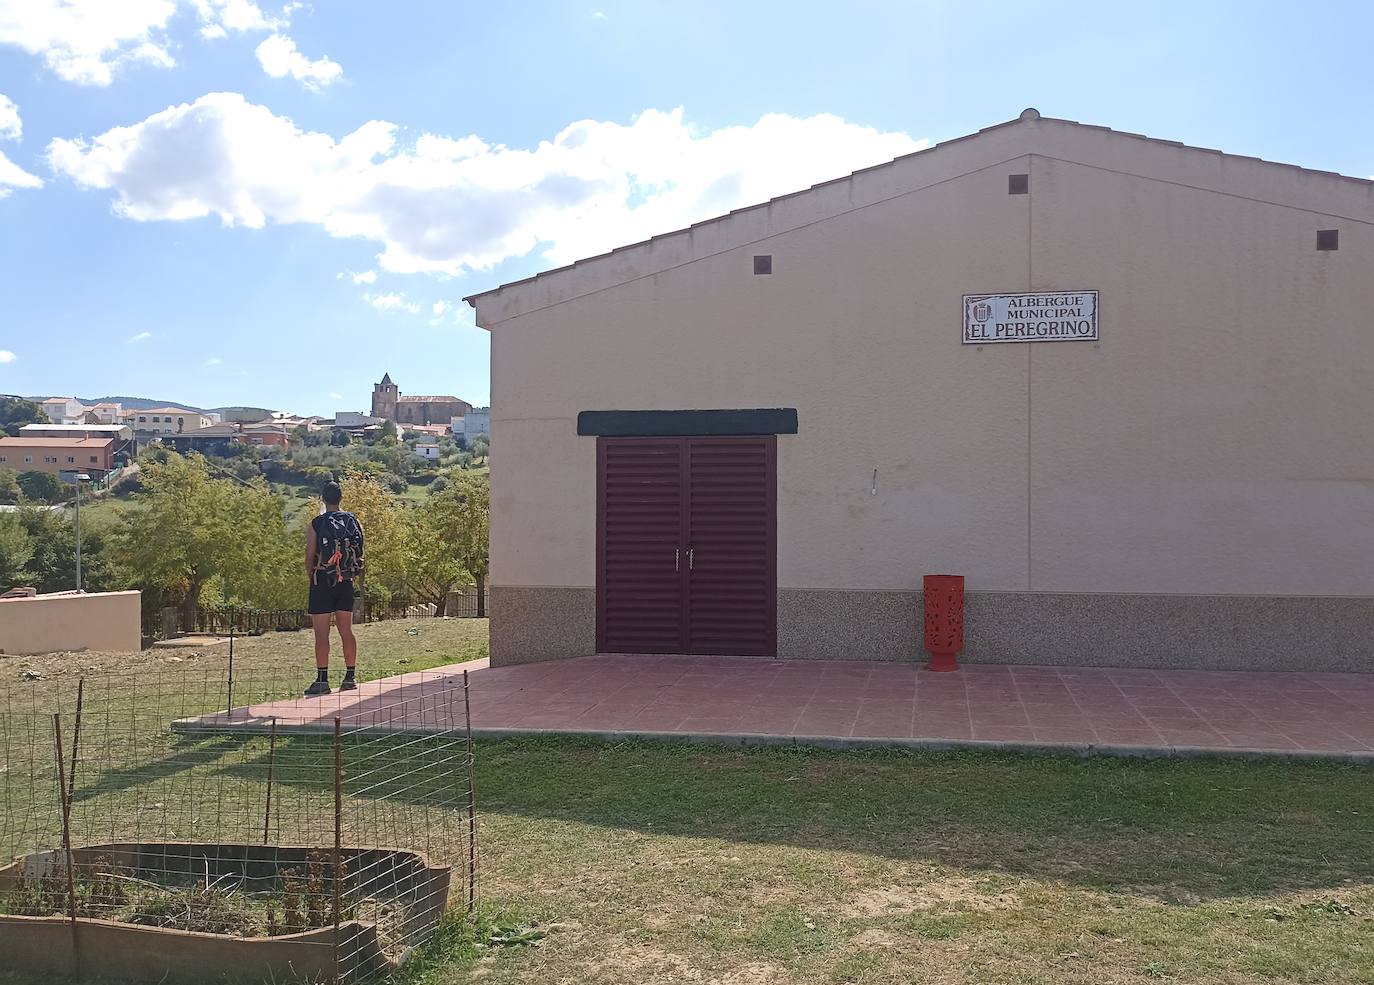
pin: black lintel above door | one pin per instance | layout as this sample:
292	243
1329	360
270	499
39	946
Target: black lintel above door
683	423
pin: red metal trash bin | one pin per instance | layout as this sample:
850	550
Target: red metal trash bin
944	614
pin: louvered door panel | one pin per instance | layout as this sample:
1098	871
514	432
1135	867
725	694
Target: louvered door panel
641	573
731	511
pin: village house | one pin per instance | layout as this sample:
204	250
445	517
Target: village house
94	456
1118	383
125	445
166	420
64	410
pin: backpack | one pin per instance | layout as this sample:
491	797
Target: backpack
339	548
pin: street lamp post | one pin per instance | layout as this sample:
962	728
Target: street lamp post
79	478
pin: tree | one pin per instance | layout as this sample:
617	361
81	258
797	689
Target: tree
387	432
41	487
388	536
461	517
15	413
9	486
339	438
188	528
52	567
264	566
435	568
15	551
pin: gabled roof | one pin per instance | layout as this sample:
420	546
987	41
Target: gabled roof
386	380
72	429
1323	192
6	442
211	431
166	410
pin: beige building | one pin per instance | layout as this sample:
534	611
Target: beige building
58	455
1120	384
64	410
166	420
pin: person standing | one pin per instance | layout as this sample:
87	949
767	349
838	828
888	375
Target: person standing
333	558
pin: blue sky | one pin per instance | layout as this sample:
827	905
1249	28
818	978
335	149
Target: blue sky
301	195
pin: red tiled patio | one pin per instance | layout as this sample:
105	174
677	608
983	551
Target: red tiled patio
837	702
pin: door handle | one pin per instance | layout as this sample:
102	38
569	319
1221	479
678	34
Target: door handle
677	559
691	558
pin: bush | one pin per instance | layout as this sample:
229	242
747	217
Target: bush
396	483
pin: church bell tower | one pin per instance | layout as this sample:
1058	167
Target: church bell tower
384	397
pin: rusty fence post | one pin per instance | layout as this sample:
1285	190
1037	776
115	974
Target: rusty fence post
472	802
67	841
271	769
76	739
338	838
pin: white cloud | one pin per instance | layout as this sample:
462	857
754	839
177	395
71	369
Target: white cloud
437	309
599	15
336	396
11	127
88	41
219	17
366	277
140	337
448	205
392	302
13	176
7	357
214	361
279	58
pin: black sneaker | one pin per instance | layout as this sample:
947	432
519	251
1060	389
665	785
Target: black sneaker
317	689
348	684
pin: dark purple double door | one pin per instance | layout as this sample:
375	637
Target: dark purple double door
686	545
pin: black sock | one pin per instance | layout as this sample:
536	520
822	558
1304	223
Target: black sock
322	675
348	673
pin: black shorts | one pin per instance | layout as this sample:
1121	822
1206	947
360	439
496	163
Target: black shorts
325	599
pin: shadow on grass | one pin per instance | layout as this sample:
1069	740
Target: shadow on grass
181	758
1171	828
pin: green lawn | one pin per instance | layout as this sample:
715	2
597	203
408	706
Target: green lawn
643	863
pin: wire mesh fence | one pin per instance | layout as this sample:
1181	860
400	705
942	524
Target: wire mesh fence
313	837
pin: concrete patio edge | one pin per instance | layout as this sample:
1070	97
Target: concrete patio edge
192	726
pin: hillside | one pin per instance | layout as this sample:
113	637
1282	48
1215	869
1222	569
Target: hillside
144	403
130	403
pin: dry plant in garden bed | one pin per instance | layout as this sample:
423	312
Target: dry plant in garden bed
247	901
229	850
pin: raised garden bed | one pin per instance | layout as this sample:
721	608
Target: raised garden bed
192	913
